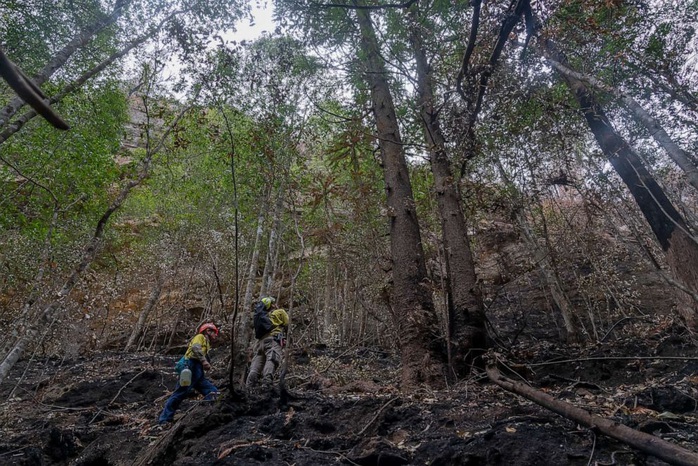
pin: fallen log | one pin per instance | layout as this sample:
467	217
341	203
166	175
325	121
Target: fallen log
647	443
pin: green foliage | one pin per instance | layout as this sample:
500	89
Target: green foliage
33	30
340	174
73	173
292	114
62	169
193	186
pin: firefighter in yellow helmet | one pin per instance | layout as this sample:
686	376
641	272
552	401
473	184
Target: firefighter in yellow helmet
270	325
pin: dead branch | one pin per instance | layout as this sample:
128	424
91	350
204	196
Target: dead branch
615	358
160	445
649	444
376	416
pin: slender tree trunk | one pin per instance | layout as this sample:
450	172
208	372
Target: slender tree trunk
347	321
246	317
270	261
36	284
479	76
145	312
668	226
670	85
62	56
32	329
327	308
328	311
466	318
422	353
653	126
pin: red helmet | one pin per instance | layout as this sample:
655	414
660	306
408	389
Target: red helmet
208	326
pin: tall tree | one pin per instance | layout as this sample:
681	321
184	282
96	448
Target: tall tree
411	301
656	129
466	326
668	225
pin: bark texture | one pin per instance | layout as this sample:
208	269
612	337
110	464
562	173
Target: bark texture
467	334
411	300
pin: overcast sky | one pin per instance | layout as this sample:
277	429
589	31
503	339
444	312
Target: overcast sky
263	22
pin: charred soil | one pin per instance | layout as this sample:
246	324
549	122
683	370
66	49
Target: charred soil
343	406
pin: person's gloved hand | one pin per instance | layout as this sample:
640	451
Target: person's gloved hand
207	365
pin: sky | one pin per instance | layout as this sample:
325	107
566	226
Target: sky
263	22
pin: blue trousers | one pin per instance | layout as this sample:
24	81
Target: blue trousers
199	382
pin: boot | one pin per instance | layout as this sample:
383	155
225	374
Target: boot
267	384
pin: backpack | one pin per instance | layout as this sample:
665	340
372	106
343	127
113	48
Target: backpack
181	364
262	322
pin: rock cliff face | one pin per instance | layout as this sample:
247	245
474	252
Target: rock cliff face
610	282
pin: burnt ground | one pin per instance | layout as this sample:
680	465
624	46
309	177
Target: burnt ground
344	408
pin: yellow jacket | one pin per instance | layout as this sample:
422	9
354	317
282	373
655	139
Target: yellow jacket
198	347
279	318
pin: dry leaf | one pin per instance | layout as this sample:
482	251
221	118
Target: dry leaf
289	415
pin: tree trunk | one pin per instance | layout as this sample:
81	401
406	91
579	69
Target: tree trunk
62	56
653	126
670	229
145	312
33	329
466	318
327	307
270	261
246	317
479	76
422	352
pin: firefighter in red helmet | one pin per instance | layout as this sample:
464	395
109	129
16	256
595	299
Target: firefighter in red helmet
196	359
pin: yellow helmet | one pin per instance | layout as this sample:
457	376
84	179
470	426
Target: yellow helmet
268	301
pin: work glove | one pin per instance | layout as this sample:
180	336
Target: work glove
207	365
